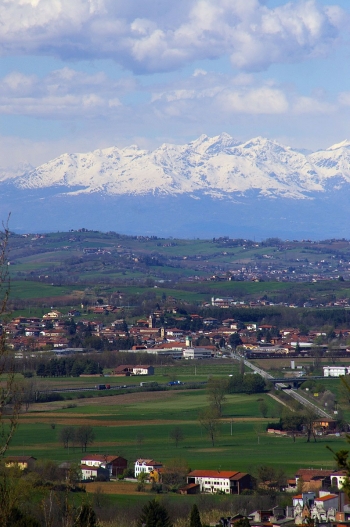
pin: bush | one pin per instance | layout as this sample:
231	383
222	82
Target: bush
49	397
128	473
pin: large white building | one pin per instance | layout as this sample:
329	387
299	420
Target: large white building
146	465
216	481
335	371
196	353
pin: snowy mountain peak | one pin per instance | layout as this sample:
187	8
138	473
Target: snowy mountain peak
343	144
219	166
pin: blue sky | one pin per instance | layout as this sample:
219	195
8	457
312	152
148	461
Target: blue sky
76	76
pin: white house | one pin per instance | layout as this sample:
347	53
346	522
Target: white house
89	472
338	479
335	371
325	508
92	465
214	481
52	315
143	370
146	465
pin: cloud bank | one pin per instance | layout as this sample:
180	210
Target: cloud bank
147	36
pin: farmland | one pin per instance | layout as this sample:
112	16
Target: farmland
85	264
112	293
139	425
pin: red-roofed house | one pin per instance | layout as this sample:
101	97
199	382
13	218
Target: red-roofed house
327	501
213	481
114	464
313	479
146	465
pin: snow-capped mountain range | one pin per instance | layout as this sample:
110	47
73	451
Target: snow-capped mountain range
219	167
208	187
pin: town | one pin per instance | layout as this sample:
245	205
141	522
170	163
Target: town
228	383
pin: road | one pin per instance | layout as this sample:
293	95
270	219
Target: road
116	387
295	395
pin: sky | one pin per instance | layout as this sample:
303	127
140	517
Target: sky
86	74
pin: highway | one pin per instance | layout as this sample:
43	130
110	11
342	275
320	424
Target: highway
116	387
302	400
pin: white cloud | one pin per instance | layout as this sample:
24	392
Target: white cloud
62	94
220	96
148	36
309	105
344	98
264	100
67	94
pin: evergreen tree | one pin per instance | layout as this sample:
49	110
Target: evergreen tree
195	519
154	515
41	370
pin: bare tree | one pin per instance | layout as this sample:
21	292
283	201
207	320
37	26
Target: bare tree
309	418
10	393
28	389
175	472
209	420
85	436
67	435
217	389
177	435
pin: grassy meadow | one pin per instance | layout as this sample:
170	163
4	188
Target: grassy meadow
139	425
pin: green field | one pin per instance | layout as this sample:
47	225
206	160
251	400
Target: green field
25	289
139	425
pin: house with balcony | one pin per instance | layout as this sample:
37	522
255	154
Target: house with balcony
146	465
216	481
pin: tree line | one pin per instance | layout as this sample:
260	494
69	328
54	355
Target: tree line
68	367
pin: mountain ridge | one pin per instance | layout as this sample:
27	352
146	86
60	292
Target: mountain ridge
218	166
210	186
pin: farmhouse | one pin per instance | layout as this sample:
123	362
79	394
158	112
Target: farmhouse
146	465
127	370
213	481
90	472
114	465
22	462
313	479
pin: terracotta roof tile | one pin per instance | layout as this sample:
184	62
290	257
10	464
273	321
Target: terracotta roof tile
214	474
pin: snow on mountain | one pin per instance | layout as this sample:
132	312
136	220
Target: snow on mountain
219	167
9	173
333	163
